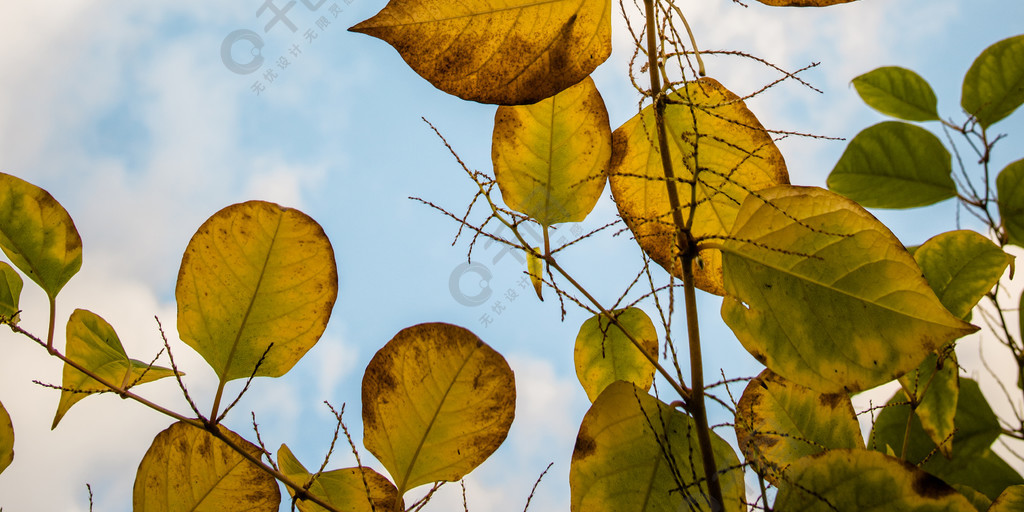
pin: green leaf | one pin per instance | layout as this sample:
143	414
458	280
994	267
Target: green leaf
894	165
604	354
187	469
345	489
92	343
935	387
961	267
550	157
994	85
38	235
512	52
980	502
1010	500
255	274
710	128
6	439
1010	190
898	92
973	463
620	464
864	481
10	294
437	402
825	295
778	422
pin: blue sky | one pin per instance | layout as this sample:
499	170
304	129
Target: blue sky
129	116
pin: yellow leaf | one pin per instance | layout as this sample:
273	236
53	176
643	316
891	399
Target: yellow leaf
1011	499
437	402
825	295
255	274
604	354
10	294
550	158
186	469
342	488
535	267
936	387
710	129
6	439
509	52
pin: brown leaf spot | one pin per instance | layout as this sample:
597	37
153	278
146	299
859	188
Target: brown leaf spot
929	486
585	446
831	400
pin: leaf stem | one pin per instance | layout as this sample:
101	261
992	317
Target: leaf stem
53	323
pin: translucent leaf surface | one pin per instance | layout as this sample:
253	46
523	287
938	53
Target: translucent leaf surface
1010	500
342	488
535	267
10	292
437	402
961	266
994	85
6	439
550	158
894	165
186	469
935	387
509	52
836	481
619	462
92	343
719	136
778	422
604	354
898	92
255	274
38	235
1010	188
825	295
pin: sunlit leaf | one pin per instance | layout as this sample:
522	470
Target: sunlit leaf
994	85
973	464
719	136
803	3
535	267
38	235
509	52
92	343
825	295
10	293
604	354
187	469
894	165
550	158
898	92
255	274
936	390
961	266
778	422
864	481
6	439
619	463
1010	500
1010	188
980	502
342	488
437	402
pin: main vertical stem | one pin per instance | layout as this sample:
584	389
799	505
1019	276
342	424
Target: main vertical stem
687	252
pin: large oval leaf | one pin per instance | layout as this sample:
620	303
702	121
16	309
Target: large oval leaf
92	343
838	480
709	128
604	354
1010	188
825	295
10	293
994	85
898	92
349	489
620	461
961	267
778	422
894	165
437	402
6	439
186	469
550	158
509	52
255	274
38	235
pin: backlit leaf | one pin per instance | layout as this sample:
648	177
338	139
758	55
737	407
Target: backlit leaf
38	235
719	136
894	165
604	354
837	480
898	92
803	3
535	267
509	52
936	390
437	402
1010	189
10	293
342	488
255	274
187	469
980	502
92	343
778	422
825	295
994	85
550	157
6	439
961	266
619	462
1010	500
